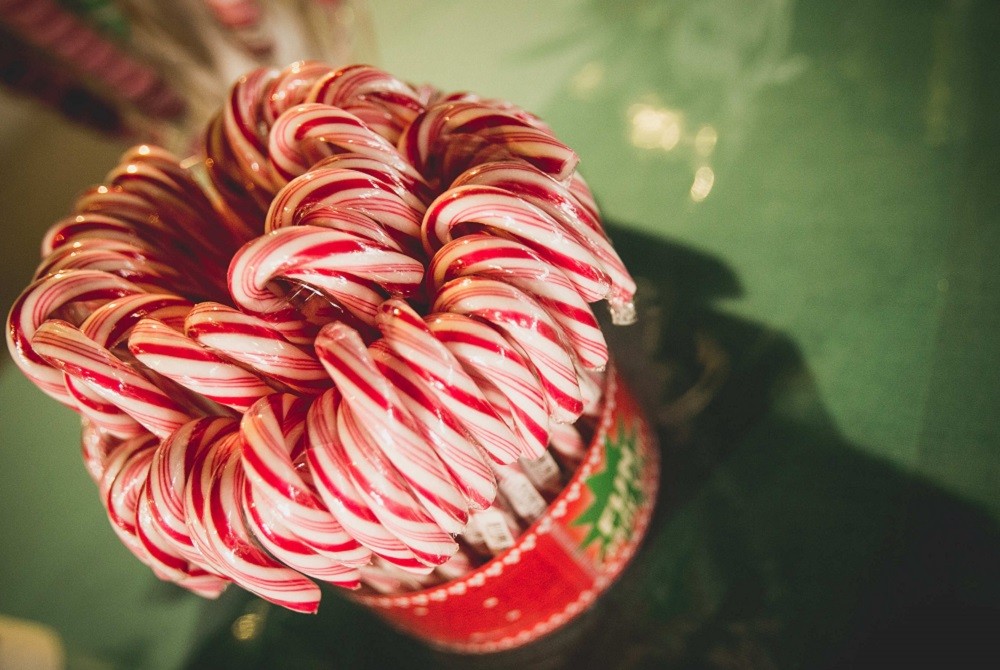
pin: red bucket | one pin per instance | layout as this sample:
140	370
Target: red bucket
560	564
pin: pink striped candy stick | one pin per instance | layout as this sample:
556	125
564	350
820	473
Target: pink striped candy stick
268	528
510	261
524	323
465	460
242	19
408	336
308	133
44	298
48	26
93	226
343	267
383	433
270	430
175	356
507	214
196	224
496	365
213	504
329	466
66	348
257	345
242	122
385	104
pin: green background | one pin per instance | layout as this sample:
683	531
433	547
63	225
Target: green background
819	339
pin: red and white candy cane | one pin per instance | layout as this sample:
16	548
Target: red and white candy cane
326	192
497	366
306	134
465	460
108	326
452	136
270	431
563	205
169	470
257	345
291	86
527	325
346	269
501	211
72	352
239	149
174	355
49	296
407	335
388	495
384	103
510	261
268	528
391	451
146	268
214	509
330	469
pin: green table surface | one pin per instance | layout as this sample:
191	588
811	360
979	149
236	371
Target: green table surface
808	193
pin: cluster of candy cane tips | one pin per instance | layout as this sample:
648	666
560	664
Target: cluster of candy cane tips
323	361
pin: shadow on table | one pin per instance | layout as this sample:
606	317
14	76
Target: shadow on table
776	543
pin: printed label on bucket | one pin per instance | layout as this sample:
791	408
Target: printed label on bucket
559	566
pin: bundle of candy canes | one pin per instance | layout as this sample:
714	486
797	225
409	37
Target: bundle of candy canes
355	347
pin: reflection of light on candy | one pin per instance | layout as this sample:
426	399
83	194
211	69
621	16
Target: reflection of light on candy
339	363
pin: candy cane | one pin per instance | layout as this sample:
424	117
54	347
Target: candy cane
269	528
563	205
213	505
345	268
496	365
332	191
330	468
192	365
169	471
308	133
44	298
451	136
512	262
408	336
291	87
464	459
257	345
528	326
270	430
48	26
384	103
384	435
69	350
500	210
108	326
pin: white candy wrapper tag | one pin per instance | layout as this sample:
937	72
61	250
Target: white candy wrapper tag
496	533
522	495
543	472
